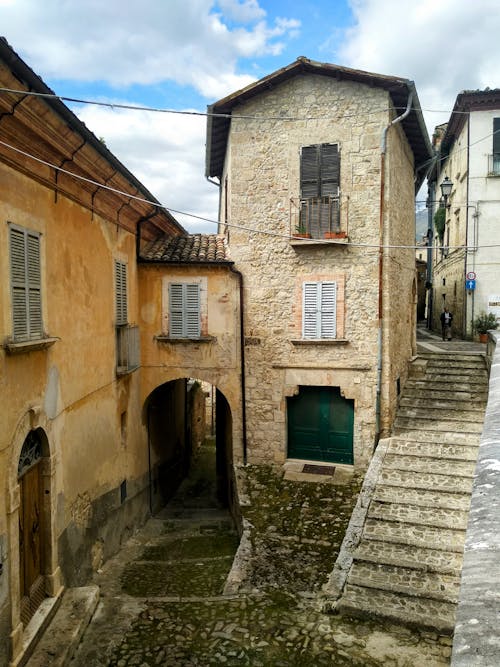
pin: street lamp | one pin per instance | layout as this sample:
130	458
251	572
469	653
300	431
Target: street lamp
446	188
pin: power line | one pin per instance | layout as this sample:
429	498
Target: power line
251	230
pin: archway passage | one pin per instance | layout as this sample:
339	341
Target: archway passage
31	526
320	425
189	421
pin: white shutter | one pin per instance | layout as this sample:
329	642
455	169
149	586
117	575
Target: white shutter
175	310
121	293
25	284
184	310
310	311
319	310
328	310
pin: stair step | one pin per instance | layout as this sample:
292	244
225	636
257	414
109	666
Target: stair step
429	464
449	404
422	497
425	385
478	377
427	537
477	396
442	425
438	414
433	560
437	450
470	439
408	581
427	481
418	515
431	615
444	363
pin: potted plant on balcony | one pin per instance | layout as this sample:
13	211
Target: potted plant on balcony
335	235
483	323
301	232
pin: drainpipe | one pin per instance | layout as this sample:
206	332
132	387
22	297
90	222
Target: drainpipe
383	148
242	353
430	247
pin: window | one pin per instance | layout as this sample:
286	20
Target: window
184	310
121	293
25	275
319	311
319	189
495	164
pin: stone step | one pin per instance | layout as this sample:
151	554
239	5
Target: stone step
470	439
437	414
418	515
442	363
448	426
432	560
422	497
427	537
363	602
438	450
427	481
408	581
427	464
424	386
478	377
447	394
448	403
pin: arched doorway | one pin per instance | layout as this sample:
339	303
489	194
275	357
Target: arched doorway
32	529
189	419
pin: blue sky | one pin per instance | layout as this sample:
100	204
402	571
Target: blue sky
185	54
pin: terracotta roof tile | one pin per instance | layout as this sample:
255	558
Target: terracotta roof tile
193	248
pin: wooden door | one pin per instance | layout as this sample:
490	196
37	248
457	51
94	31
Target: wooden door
321	425
30	542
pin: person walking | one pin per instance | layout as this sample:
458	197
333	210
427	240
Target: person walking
446	320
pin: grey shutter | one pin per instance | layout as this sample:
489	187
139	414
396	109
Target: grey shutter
496	136
175	310
184	310
25	275
319	310
330	170
328	328
192	310
121	293
309	172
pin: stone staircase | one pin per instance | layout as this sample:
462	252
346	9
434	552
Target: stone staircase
406	565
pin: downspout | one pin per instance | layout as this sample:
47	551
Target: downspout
466	256
383	148
242	353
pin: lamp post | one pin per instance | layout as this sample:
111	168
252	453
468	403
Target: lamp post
446	188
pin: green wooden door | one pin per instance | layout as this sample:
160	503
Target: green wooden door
320	425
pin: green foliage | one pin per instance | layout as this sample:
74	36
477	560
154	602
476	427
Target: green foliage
440	222
484	322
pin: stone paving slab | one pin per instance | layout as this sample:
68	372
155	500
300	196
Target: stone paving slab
433	615
429	464
433	560
459	452
418	536
422	497
418	515
408	581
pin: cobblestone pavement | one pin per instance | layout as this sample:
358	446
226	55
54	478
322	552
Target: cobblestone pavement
162	602
429	341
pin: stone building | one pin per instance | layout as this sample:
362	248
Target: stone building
334	155
108	311
469	156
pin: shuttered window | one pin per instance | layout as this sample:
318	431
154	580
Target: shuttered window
26	289
184	310
121	293
320	171
319	312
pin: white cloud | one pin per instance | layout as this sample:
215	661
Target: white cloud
148	42
444	46
166	153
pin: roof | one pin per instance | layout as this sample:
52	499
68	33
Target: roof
187	249
398	88
467	101
34	110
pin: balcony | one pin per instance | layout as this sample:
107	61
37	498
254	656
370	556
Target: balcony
494	164
317	218
127	349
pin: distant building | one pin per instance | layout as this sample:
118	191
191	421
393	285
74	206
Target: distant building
466	259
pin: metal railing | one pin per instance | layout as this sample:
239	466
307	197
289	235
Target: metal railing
127	348
316	218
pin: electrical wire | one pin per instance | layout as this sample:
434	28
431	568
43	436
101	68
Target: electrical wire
251	230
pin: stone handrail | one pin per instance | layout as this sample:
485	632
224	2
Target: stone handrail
477	638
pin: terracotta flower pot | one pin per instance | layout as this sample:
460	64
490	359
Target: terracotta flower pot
483	337
335	235
301	235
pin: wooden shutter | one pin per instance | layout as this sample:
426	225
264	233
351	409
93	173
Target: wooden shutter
319	171
319	312
496	136
329	170
184	310
121	293
25	284
309	172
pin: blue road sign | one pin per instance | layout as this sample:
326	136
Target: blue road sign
470	284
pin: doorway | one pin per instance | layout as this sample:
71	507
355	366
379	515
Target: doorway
321	425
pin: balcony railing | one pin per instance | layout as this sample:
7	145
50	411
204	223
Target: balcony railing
316	218
494	164
127	349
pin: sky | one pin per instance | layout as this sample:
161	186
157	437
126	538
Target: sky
185	54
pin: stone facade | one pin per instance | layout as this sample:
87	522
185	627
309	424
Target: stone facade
259	182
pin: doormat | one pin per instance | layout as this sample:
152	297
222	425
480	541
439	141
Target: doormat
318	470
